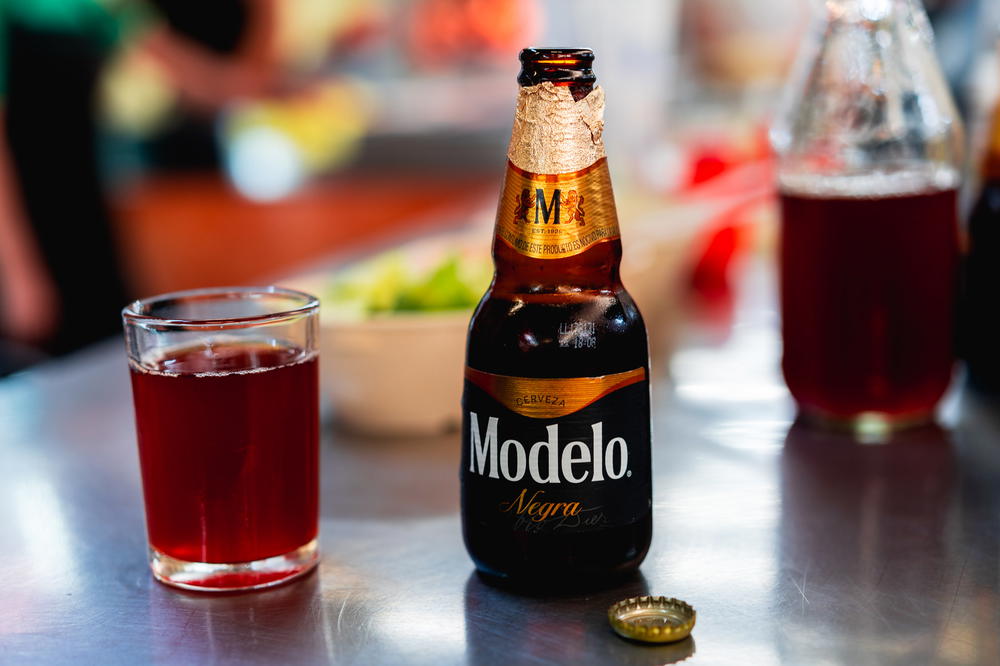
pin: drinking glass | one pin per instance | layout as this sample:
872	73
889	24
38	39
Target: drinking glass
225	386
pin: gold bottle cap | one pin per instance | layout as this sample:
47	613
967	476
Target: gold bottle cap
652	619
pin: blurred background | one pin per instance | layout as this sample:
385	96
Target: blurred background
158	145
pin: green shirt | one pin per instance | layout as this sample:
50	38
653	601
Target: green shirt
106	22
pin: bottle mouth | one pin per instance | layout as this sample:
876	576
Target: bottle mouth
556	65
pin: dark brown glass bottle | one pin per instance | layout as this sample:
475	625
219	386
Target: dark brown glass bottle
556	484
979	321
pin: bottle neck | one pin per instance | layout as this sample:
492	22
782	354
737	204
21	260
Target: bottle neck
557	227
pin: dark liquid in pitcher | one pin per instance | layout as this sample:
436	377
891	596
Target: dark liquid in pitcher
229	456
868	301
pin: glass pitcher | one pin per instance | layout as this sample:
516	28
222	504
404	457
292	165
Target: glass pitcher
869	147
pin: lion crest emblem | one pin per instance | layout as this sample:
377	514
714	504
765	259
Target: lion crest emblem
572	205
522	204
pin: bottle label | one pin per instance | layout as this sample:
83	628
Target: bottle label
552	216
551	456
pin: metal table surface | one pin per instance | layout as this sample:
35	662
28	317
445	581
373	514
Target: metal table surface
795	546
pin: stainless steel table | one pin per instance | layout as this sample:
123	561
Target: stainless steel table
795	546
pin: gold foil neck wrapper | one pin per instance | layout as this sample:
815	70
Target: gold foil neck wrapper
553	133
544	398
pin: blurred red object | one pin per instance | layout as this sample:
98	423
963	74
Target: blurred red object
450	32
706	167
739	176
727	238
713	154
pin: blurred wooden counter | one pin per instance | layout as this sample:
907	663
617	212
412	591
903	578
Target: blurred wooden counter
195	230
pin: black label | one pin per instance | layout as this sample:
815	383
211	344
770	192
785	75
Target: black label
587	470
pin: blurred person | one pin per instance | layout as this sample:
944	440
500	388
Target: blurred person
962	30
61	283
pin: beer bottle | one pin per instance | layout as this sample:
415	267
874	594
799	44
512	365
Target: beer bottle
979	323
556	486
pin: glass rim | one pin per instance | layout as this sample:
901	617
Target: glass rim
133	312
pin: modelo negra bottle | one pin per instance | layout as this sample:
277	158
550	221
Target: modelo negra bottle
556	485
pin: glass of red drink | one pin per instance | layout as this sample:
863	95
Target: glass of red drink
225	385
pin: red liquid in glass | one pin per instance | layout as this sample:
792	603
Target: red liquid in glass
867	291
230	459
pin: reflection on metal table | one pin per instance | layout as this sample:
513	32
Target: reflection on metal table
795	546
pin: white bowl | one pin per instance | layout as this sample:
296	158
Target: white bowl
396	375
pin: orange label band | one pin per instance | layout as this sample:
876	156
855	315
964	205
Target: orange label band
543	398
552	216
